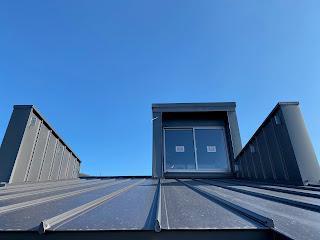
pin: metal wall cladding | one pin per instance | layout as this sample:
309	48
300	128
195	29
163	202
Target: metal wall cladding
269	154
70	167
26	150
58	158
64	163
37	157
47	160
41	154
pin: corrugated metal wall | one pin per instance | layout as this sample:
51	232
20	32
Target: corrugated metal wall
270	156
41	155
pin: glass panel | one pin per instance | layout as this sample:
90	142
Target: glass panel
211	152
179	149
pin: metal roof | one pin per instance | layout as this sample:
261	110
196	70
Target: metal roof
165	208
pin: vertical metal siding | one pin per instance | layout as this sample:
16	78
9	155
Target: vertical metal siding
56	162
157	160
275	151
262	164
234	132
30	149
265	156
245	166
255	156
47	162
304	153
287	149
63	169
26	150
250	163
38	155
78	169
275	158
70	167
74	168
12	141
241	171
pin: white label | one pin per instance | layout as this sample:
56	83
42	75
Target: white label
252	149
236	168
33	121
211	149
179	148
61	149
277	119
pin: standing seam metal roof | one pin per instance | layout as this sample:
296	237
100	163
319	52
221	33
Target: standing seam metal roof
104	207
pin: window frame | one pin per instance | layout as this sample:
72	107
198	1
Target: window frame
197	170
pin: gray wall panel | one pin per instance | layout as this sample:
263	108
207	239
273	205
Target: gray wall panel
37	157
240	173
234	132
265	155
257	160
74	165
77	169
25	151
229	143
63	169
301	143
70	166
283	145
28	151
274	151
287	149
157	160
11	142
250	163
48	159
57	161
245	166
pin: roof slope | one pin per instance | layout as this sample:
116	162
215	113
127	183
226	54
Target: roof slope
205	207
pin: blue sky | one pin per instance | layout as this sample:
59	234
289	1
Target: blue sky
93	68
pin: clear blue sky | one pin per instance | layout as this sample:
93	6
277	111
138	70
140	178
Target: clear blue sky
93	68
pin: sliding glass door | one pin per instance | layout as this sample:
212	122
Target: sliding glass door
195	149
179	149
210	149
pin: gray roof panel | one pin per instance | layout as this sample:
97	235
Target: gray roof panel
184	208
132	210
295	222
186	204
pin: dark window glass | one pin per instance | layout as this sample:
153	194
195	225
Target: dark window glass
179	149
210	149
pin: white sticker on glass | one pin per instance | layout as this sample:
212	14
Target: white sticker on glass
211	149
179	148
